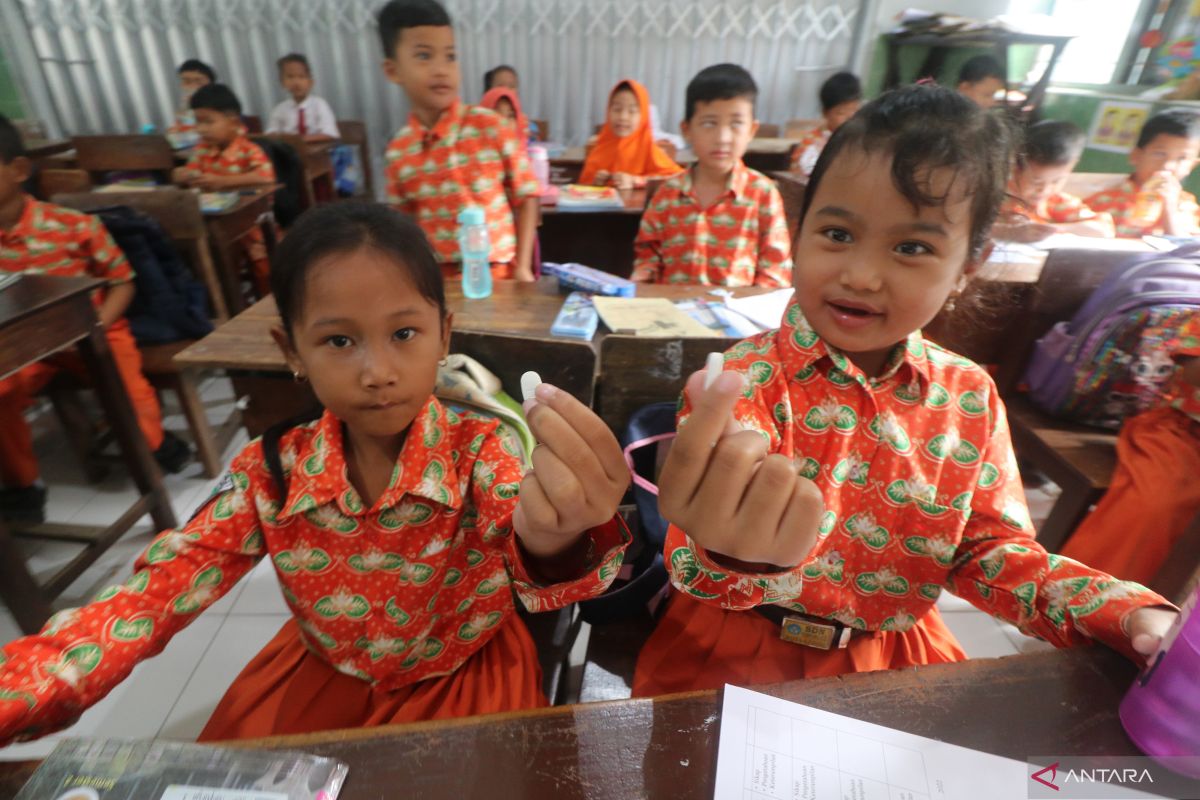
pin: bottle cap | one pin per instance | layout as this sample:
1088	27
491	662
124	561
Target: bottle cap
471	215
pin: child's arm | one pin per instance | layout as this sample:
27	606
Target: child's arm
527	221
48	680
523	192
647	254
116	300
1000	568
108	262
774	245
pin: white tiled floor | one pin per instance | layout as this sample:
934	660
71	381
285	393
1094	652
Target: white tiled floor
173	694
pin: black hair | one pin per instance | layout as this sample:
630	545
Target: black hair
333	228
1053	142
294	58
719	82
976	68
925	128
397	15
843	87
196	65
1172	122
490	76
12	146
217	97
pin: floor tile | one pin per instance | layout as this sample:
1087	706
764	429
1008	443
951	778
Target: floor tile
979	634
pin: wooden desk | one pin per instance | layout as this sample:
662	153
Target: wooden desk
1060	702
599	239
225	230
316	159
38	149
41	315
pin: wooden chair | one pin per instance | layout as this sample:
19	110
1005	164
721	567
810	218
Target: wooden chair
792	188
543	129
99	155
178	212
767	130
767	163
354	133
61	181
1079	459
1180	573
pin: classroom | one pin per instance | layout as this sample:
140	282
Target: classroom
529	398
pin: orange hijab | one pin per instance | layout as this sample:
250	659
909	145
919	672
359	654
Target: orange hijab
491	99
635	154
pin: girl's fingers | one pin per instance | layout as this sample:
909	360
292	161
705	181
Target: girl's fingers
578	436
559	485
769	492
690	453
532	504
724	484
800	526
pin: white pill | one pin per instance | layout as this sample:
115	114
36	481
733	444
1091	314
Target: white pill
529	383
714	365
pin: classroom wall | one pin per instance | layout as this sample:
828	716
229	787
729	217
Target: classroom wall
11	104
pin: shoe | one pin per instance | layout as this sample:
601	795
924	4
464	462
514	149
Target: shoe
25	504
173	454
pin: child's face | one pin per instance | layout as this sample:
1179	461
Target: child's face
296	80
871	268
837	116
505	79
190	81
368	341
13	175
1164	153
505	109
719	131
425	65
624	114
983	92
1034	182
217	127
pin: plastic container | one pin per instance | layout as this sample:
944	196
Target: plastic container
1161	711
475	248
539	160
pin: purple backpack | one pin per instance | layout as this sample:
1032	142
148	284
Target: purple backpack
1109	361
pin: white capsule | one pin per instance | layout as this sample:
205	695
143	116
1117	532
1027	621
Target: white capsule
529	383
714	365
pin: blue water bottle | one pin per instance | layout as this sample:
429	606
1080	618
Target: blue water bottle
473	243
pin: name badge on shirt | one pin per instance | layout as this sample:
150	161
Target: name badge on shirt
798	630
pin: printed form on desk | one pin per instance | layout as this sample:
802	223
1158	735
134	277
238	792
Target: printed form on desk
771	748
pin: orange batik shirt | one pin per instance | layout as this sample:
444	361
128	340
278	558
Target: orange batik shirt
739	240
1060	209
470	157
239	157
406	589
1119	201
1181	395
921	492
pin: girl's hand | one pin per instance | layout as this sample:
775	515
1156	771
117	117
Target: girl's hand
623	180
720	486
1147	626
578	476
602	177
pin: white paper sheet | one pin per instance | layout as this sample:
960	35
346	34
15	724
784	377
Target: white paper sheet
765	310
1071	241
771	748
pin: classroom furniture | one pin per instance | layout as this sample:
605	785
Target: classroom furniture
768	154
541	130
38	148
600	239
40	315
99	155
253	123
226	229
354	134
797	128
317	161
61	181
1062	702
767	130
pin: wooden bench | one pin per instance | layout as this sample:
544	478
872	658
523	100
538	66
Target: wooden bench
99	155
792	188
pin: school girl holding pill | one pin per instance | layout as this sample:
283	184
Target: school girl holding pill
398	527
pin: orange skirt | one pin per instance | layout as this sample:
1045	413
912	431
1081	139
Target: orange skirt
701	646
1153	497
286	689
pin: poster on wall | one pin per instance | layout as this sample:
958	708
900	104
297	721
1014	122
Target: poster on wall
1116	125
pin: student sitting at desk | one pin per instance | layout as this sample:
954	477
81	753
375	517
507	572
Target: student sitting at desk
841	97
227	160
1152	199
979	80
1037	206
625	153
720	222
507	104
451	156
193	74
401	530
40	238
304	113
844	471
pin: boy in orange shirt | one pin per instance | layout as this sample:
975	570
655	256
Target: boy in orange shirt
43	239
1036	206
1152	199
720	222
841	97
451	156
227	160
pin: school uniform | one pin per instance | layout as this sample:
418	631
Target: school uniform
310	117
1120	200
1060	208
402	610
52	240
470	157
741	239
1154	495
240	157
922	494
812	142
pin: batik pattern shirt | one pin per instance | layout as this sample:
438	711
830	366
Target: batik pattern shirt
239	157
1181	395
1121	200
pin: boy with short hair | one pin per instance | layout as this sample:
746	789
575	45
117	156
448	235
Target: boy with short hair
980	78
193	74
449	155
841	97
1037	206
226	160
40	238
304	113
720	222
1152	200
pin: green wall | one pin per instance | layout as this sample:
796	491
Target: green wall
11	104
1020	61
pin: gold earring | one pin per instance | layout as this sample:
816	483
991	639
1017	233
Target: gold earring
443	362
299	378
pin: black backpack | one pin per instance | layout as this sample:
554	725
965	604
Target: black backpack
289	171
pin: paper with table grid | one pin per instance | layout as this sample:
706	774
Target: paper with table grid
771	748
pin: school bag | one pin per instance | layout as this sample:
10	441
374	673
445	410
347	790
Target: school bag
1111	359
289	171
169	304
